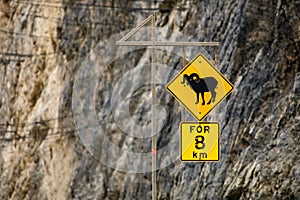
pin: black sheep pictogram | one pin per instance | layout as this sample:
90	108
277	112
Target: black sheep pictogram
201	85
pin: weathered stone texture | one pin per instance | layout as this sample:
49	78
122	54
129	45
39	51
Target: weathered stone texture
42	46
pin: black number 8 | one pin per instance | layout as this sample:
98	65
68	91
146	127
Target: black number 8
199	140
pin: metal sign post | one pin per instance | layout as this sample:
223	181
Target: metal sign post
153	110
124	42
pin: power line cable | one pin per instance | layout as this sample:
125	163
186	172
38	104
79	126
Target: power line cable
97	6
40	121
83	5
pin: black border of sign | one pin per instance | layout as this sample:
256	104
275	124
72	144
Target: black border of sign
219	148
200	54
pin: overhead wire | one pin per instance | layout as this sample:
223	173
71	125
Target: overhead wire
60	19
80	5
76	5
48	137
22	137
57	20
25	128
53	19
38	122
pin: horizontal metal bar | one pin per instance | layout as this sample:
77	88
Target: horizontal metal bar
165	43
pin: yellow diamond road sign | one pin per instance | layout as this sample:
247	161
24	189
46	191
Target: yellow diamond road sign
199	86
200	142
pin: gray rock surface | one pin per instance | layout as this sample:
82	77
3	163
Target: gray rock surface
43	47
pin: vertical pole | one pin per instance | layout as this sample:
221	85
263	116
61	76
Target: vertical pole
184	64
153	88
216	63
217	57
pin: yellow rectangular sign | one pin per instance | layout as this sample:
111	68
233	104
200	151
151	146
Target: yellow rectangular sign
200	142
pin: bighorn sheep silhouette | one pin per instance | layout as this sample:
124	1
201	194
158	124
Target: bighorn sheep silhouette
201	85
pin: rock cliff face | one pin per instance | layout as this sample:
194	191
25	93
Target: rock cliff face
43	48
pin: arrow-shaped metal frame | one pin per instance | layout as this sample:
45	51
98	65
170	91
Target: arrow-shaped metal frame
124	42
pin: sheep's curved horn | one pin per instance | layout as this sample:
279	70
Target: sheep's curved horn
184	78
